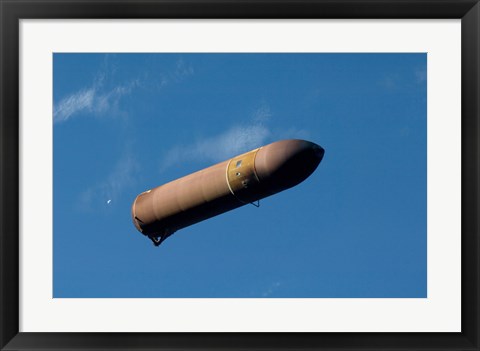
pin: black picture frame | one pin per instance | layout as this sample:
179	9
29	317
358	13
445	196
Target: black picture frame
11	11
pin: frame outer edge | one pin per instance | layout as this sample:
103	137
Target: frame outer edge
9	181
470	175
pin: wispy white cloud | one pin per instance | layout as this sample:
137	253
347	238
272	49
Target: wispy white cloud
99	100
107	192
72	104
234	141
93	100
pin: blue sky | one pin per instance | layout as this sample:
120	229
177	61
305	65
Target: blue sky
125	123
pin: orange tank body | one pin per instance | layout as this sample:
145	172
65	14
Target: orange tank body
244	179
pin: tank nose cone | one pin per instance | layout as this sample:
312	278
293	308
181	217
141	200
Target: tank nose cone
287	163
305	159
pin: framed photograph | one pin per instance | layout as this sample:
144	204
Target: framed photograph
231	175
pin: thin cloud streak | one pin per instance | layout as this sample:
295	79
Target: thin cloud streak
237	140
99	101
73	104
91	100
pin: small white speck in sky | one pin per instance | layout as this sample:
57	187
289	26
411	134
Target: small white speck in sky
108	202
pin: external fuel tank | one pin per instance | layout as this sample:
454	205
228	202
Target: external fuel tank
244	179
